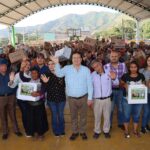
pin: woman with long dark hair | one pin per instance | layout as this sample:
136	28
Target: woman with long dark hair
131	110
56	98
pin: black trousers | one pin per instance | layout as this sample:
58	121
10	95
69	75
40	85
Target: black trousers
24	106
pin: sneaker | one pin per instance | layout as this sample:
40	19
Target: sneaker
5	136
96	135
107	135
127	135
148	128
28	136
144	130
19	134
84	136
74	136
57	135
62	134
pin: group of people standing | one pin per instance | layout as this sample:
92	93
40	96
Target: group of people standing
101	90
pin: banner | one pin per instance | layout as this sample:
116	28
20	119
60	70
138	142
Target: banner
118	43
90	42
16	56
64	53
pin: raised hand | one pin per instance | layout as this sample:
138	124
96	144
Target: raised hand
54	59
112	75
44	78
12	76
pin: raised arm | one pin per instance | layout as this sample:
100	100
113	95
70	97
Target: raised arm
60	72
14	80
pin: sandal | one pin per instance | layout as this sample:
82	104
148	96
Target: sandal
137	134
127	135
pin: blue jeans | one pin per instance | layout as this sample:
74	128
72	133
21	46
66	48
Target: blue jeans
117	100
58	123
131	110
146	113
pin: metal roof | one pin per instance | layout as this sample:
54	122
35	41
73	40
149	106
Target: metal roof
13	11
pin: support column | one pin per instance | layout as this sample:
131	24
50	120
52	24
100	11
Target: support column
13	40
137	31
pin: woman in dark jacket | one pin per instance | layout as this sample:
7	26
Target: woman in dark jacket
56	99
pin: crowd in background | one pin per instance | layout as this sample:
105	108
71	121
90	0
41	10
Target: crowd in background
97	77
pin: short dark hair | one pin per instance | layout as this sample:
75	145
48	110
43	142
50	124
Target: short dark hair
40	55
35	69
76	52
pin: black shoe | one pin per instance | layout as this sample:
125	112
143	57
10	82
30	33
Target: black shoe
148	128
19	133
107	135
144	130
121	127
84	136
62	134
57	135
96	135
74	136
5	136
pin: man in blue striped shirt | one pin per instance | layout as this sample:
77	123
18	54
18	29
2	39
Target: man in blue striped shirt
79	89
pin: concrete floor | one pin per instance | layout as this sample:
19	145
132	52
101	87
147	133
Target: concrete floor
117	142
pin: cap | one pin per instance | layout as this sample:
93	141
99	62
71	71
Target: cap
3	61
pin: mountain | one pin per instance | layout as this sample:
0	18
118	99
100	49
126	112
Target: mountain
93	21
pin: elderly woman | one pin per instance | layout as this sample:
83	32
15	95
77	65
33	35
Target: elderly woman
22	76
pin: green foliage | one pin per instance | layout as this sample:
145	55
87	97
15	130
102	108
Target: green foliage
125	28
146	29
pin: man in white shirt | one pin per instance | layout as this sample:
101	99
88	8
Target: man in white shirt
102	83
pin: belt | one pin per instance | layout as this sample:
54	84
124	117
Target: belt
7	94
116	88
102	98
78	97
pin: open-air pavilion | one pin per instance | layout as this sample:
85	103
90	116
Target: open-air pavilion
13	11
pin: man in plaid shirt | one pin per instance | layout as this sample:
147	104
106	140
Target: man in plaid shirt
117	94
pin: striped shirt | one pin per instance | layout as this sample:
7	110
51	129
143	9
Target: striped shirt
120	71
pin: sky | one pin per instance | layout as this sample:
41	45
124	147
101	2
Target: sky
57	12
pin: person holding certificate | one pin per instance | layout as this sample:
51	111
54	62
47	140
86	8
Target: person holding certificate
131	110
36	115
